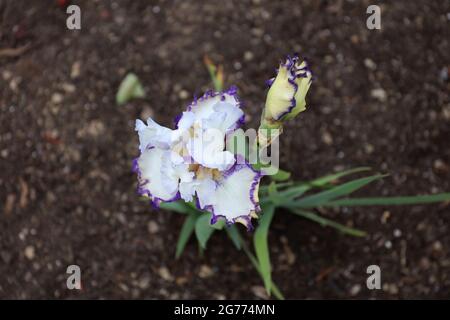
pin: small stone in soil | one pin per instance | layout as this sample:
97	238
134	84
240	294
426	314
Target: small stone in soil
152	227
370	64
29	252
183	94
144	282
146	113
57	98
260	292
379	94
75	70
248	56
388	244
205	271
165	274
355	289
68	87
327	138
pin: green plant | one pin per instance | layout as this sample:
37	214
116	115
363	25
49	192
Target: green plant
286	99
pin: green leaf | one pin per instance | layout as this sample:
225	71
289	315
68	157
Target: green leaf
281	175
295	191
277	293
129	88
279	186
203	229
300	189
185	233
320	198
194	208
233	234
273	197
272	189
260	242
215	72
329	223
273	287
390	201
218	225
322	181
176	206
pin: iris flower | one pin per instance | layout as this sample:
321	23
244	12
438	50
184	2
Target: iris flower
192	163
286	96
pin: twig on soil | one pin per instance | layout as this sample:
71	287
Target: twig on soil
14	52
324	273
23	202
9	205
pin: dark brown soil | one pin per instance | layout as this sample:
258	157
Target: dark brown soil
67	194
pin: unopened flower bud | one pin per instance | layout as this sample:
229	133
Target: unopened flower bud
286	96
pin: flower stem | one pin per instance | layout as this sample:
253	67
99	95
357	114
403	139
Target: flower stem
274	289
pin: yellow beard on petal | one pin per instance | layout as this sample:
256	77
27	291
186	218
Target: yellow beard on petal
256	194
243	221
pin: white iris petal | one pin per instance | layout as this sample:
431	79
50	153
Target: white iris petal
174	170
226	104
207	148
184	124
234	114
205	192
204	189
187	190
236	195
151	174
152	134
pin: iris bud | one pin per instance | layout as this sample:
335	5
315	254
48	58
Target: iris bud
287	93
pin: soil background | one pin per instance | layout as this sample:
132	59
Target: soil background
68	196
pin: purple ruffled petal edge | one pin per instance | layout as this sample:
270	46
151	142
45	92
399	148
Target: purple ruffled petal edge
142	191
232	91
177	119
239	164
293	101
239	123
294	73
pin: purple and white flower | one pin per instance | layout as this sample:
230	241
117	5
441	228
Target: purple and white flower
192	163
286	96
